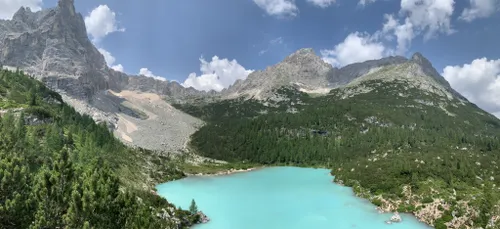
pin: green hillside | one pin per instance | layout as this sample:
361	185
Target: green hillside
381	142
59	169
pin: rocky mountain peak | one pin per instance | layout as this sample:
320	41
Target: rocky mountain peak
303	52
21	13
303	56
53	45
70	19
303	68
428	69
66	4
421	60
418	56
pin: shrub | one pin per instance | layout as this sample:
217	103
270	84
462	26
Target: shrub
40	112
427	200
377	202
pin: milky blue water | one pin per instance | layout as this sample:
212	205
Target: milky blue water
279	198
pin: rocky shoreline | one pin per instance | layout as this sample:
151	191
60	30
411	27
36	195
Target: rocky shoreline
387	207
427	213
223	173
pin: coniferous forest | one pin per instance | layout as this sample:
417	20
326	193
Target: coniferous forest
59	169
378	142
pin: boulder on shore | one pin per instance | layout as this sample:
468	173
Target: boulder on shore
396	218
203	218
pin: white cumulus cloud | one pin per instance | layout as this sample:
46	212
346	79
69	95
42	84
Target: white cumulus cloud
9	7
110	60
479	9
404	33
322	3
216	74
118	68
148	73
101	21
478	81
280	8
356	47
418	17
429	16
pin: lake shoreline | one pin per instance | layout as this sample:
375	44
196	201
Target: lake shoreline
387	208
224	172
388	220
389	205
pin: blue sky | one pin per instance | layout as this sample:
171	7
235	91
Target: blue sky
181	31
169	37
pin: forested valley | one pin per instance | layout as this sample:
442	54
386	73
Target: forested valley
380	142
59	169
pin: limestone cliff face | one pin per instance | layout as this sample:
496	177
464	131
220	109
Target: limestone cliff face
53	45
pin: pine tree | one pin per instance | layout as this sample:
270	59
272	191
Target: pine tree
14	191
193	208
31	97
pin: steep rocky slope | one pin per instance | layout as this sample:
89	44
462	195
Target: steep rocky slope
45	43
53	45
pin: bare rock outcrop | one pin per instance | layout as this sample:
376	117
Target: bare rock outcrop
303	68
53	44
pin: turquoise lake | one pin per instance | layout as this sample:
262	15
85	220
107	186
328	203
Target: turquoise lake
279	198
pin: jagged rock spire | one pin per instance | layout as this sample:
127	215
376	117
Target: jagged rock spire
420	59
428	68
67	5
22	14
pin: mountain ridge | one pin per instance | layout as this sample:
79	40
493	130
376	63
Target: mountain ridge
29	24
